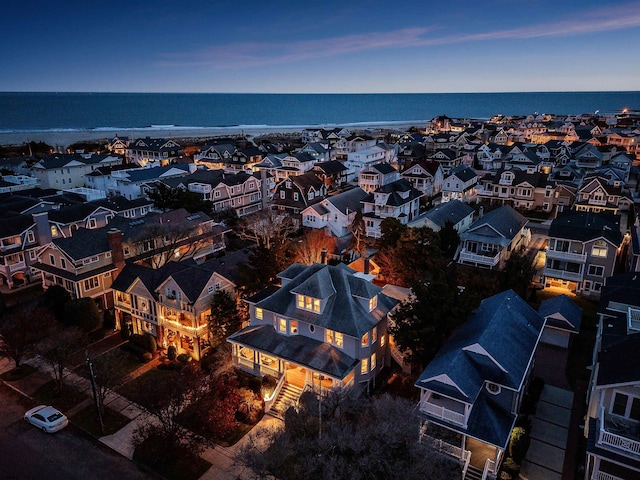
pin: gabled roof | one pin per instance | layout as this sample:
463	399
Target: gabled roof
496	345
501	225
464	173
382	168
452	211
330	167
348	201
393	191
586	226
12	225
561	313
618	361
84	243
338	287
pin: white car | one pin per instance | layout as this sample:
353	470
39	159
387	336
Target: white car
46	418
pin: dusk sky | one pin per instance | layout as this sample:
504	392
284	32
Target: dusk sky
325	47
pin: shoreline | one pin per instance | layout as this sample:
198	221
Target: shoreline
65	138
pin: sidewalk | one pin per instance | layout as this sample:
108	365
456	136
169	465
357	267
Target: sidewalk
221	458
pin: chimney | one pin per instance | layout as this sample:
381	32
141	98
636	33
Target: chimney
114	237
43	230
323	255
366	266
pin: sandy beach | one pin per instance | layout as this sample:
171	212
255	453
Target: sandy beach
65	138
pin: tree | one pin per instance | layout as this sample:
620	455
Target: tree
449	239
381	442
21	329
263	266
107	370
225	317
392	230
55	298
358	230
58	349
309	249
82	313
164	403
517	274
266	228
423	324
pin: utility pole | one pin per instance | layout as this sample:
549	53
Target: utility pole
92	378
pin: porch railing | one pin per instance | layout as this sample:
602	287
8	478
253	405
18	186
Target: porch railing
628	445
605	476
268	402
443	413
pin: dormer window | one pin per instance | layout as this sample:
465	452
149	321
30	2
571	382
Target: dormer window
373	303
308	303
259	314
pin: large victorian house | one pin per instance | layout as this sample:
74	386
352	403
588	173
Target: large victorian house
426	176
155	151
396	200
524	190
324	329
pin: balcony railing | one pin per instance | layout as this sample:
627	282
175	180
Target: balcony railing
487	260
568	256
562	274
617	440
443	413
604	476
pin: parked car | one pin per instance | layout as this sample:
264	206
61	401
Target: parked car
46	418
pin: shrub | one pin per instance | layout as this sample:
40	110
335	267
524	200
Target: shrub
505	476
269	383
146	357
250	408
138	340
519	444
150	343
172	352
137	350
510	466
183	358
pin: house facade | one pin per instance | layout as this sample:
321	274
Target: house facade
66	171
395	200
523	190
493	238
154	151
324	329
336	213
376	176
297	192
474	387
582	252
460	185
426	176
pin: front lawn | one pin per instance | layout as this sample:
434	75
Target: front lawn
63	400
182	465
121	363
136	390
87	419
18	373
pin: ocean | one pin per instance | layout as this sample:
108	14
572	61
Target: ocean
105	114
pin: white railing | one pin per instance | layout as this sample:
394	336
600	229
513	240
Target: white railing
246	362
443	413
633	315
570	256
626	444
491	261
604	476
562	274
268	402
467	460
397	355
489	467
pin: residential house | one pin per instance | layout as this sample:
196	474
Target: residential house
352	143
228	157
173	303
460	185
426	176
493	238
284	165
318	150
459	214
361	159
598	194
563	319
397	200
613	415
324	329
154	151
333	173
118	145
298	192
474	387
133	183
448	158
20	238
335	214
582	252
64	171
376	176
525	190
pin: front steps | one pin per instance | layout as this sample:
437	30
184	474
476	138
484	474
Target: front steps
288	396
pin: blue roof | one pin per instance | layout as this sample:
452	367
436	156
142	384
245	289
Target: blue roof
561	312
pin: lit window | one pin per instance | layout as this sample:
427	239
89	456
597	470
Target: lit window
316	305
373	361
382	340
282	325
338	339
364	366
54	231
328	336
308	303
373	303
293	327
365	339
599	249
374	335
259	313
300	301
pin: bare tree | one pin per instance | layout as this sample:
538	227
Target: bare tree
309	250
106	369
58	349
266	227
159	243
21	329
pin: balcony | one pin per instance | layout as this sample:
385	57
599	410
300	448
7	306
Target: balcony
604	476
562	275
567	256
619	433
490	259
444	409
